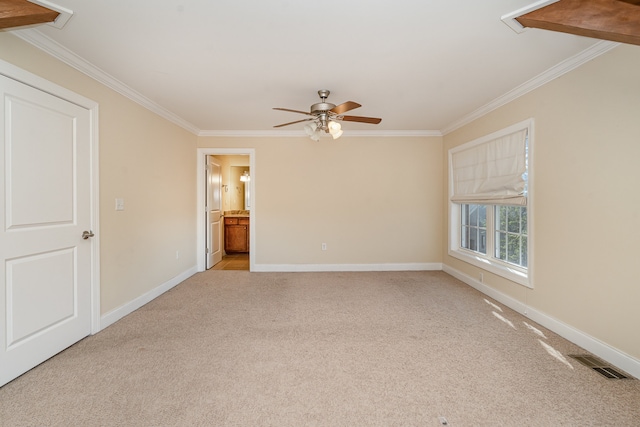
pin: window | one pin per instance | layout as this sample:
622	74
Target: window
511	234
490	200
474	228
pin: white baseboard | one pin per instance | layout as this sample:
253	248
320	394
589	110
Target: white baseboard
593	345
512	303
113	316
287	268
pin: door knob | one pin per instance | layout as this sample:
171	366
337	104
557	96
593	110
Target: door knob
87	234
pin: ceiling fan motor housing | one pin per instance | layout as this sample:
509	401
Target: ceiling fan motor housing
321	107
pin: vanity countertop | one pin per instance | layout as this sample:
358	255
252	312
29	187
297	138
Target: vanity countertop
237	213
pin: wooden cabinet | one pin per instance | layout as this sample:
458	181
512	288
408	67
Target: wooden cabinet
236	234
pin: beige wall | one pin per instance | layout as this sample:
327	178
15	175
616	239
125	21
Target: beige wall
587	200
371	200
147	161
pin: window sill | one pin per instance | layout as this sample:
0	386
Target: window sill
493	266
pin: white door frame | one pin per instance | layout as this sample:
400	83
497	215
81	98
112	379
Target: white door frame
20	75
201	219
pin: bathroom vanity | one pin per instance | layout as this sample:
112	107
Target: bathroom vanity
236	232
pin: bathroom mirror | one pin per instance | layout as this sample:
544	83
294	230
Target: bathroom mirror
239	190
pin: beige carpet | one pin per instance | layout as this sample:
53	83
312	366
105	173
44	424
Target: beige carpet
233	348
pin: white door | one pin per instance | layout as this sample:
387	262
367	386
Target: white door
214	217
45	206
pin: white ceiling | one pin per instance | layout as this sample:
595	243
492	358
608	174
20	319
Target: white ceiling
221	65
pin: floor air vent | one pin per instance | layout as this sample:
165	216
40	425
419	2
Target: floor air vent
600	367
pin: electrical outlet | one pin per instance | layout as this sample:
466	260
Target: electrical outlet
481	277
119	204
177	254
324	246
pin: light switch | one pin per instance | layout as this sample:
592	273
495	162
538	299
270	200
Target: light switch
119	204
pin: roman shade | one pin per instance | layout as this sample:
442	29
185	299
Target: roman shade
491	172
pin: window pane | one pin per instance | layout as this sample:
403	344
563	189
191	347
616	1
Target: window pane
473	215
473	227
464	237
511	234
473	238
482	216
513	218
501	247
502	217
513	248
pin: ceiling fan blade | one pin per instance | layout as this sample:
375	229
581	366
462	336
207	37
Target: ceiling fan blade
293	111
291	123
371	120
344	107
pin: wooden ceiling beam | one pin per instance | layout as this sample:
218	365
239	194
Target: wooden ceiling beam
614	20
17	13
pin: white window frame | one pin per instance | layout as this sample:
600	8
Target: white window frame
488	262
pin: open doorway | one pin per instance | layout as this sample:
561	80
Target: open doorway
231	192
233	234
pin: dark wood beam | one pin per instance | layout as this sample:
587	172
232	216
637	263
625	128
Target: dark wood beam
614	20
17	13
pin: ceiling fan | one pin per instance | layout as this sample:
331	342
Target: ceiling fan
326	116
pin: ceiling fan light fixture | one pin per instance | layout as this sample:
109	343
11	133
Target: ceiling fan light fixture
335	129
311	128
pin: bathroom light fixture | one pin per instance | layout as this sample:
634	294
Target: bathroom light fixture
245	177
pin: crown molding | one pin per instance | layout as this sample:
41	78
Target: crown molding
541	79
298	134
252	133
393	133
63	54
